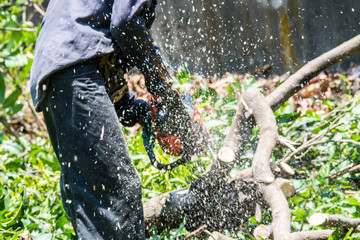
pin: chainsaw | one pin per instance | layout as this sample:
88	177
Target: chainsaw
177	126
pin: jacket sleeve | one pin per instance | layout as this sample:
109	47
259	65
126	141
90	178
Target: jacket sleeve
131	110
130	29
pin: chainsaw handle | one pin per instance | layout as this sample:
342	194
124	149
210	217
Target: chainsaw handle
149	142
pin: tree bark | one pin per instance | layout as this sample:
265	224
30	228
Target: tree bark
327	220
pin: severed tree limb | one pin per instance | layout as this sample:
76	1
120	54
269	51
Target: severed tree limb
297	81
282	170
166	210
280	211
327	220
268	135
240	132
266	232
25	235
311	235
286	187
348	169
196	232
263	231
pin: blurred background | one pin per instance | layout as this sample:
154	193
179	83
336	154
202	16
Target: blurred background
219	36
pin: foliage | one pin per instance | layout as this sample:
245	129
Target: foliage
16	49
337	135
30	194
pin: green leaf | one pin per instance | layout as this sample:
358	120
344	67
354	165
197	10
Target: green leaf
14	109
2	198
236	84
300	214
20	212
11	99
287	117
336	235
16	61
310	113
321	127
12	148
348	234
231	91
180	229
61	221
2	89
329	103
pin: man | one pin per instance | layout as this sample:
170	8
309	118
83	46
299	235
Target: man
100	188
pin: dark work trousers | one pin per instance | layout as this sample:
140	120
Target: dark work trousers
100	188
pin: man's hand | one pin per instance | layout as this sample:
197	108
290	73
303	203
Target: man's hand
157	76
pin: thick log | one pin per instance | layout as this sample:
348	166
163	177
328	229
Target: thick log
280	211
286	187
311	235
266	232
166	210
263	232
327	220
268	135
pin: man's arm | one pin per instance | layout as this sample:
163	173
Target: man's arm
130	28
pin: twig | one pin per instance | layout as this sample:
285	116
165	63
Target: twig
196	232
13	29
9	127
334	175
343	171
309	144
39	10
287	143
23	154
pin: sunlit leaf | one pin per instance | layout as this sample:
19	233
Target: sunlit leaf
2	88
11	99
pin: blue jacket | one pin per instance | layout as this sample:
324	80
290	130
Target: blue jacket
77	30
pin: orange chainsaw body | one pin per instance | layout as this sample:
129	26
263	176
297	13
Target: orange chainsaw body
173	144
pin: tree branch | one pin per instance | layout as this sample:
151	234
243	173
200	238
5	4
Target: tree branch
297	81
266	232
327	220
